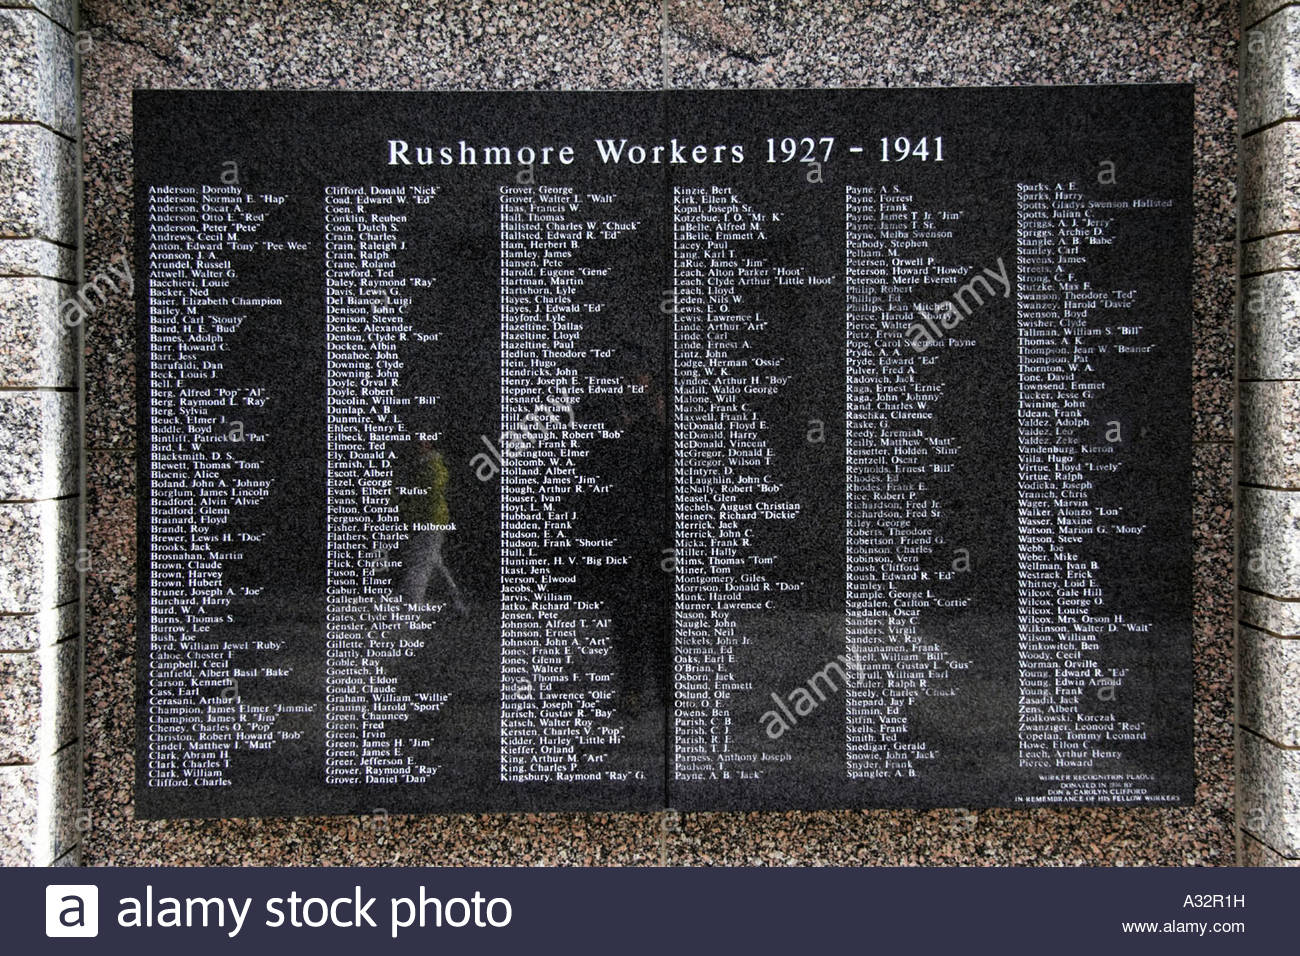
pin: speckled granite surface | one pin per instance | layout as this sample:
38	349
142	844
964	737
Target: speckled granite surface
1270	809
349	44
1270	686
39	65
1269	504
1270	52
1254	853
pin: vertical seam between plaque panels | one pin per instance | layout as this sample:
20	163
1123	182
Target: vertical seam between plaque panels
670	461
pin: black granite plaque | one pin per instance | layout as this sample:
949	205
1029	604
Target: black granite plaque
554	451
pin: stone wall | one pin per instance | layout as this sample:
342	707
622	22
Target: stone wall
40	397
605	44
1268	470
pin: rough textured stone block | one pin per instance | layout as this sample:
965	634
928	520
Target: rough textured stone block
61	697
37	257
1270	433
38	543
71	858
1269	559
20	707
63	12
1252	11
1269	683
1254	853
1269	614
39	689
40	702
1269	793
17	816
26	632
1271	253
58	677
1270	70
36	346
39	63
57	826
1270	180
37	184
1270	326
39	806
38	444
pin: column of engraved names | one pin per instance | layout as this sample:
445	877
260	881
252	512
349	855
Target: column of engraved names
1067	733
559	690
205	474
728	491
371	716
897	267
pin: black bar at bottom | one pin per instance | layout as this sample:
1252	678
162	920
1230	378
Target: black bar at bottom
658	910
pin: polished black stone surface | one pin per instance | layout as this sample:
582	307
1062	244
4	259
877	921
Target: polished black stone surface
692	449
